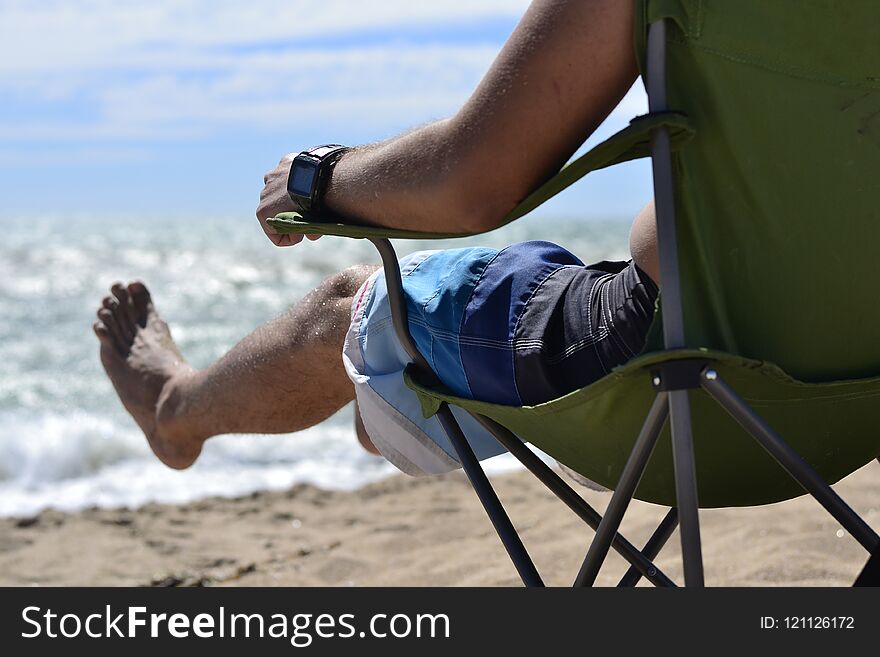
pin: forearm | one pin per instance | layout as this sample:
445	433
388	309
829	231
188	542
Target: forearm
412	182
566	66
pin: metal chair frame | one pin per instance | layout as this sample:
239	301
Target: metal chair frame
672	381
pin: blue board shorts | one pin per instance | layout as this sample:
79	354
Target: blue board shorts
519	326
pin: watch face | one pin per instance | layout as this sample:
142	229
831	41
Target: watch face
302	177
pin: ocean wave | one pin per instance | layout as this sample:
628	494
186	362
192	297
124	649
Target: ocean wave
58	447
74	460
65	440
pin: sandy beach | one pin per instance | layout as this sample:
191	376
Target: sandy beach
411	532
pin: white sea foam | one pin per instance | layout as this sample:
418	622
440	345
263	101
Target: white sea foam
65	441
79	461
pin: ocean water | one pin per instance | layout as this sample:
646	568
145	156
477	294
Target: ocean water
65	441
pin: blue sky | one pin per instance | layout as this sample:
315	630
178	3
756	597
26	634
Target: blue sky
178	107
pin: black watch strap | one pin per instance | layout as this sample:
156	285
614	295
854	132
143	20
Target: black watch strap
329	156
314	166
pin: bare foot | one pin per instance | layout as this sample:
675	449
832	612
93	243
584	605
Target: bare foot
148	371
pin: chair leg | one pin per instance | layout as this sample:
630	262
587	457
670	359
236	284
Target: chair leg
506	531
686	487
870	575
641	564
652	548
673	317
471	466
789	459
626	487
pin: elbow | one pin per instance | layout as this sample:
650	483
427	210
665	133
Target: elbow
474	205
473	191
475	216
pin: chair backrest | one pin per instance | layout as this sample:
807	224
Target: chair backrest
778	195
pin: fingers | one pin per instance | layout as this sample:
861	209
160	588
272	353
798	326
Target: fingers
278	239
274	200
288	240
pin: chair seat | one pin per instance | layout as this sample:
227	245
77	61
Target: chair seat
592	430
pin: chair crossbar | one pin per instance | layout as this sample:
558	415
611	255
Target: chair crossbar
480	482
485	492
672	401
652	548
870	575
640	562
789	459
623	493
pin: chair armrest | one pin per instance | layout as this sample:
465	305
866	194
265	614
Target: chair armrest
630	143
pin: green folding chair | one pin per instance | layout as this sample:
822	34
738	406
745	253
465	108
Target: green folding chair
764	132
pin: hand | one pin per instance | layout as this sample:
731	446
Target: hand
274	200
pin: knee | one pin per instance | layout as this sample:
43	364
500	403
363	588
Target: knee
348	281
323	315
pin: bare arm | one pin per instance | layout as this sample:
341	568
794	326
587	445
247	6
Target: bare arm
565	67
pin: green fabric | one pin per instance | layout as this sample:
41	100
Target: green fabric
630	143
777	199
778	196
778	203
833	426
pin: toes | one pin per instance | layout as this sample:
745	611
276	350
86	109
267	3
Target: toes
124	311
108	320
120	321
103	334
141	301
126	308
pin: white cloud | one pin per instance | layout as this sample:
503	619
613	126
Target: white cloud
376	86
185	68
59	34
113	69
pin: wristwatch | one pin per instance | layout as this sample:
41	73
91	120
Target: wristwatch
309	175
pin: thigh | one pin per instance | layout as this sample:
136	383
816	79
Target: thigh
532	323
374	360
579	325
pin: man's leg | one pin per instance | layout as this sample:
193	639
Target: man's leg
286	376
